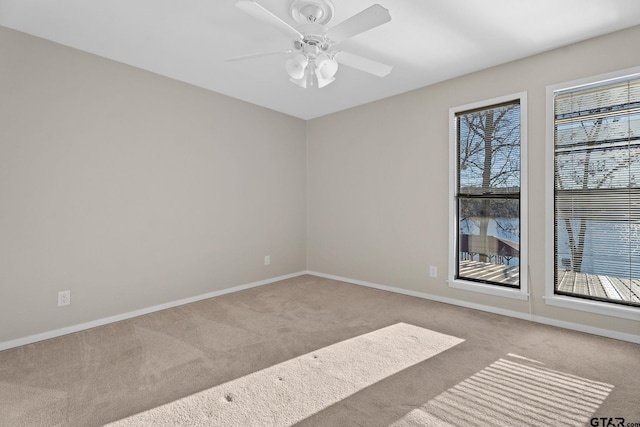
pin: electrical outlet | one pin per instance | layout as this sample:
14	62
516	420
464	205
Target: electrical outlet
64	298
433	271
267	260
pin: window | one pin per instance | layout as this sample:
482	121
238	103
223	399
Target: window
594	236
488	216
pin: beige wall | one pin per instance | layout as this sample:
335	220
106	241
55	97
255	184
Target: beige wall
377	178
133	190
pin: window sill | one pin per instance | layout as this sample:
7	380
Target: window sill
489	289
596	307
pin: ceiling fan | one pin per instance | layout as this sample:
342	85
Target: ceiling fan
315	61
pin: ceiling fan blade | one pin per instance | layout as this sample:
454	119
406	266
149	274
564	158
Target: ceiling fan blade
369	18
260	12
363	64
258	55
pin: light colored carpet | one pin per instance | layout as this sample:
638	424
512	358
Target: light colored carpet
289	392
107	374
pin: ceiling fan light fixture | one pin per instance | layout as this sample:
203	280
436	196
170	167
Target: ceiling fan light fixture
296	66
326	67
306	79
318	73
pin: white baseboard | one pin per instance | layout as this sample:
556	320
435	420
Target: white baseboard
496	310
525	316
111	319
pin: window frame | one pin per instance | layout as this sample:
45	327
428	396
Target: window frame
521	293
550	297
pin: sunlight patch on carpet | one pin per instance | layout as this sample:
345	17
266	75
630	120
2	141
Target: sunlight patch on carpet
509	393
291	391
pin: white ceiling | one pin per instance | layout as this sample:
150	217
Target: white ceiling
427	41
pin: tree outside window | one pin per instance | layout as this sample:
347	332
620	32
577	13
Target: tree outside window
488	194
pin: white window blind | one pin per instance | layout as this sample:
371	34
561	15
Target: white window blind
597	191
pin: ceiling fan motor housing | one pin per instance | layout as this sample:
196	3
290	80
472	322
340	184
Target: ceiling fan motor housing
311	44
